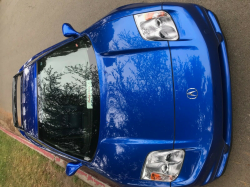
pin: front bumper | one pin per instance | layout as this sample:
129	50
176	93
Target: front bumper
227	98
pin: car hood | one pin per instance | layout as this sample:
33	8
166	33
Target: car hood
137	102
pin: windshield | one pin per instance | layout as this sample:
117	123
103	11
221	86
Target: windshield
69	99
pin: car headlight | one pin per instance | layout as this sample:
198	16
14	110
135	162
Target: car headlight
156	25
163	165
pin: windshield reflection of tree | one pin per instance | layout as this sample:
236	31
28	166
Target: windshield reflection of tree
62	108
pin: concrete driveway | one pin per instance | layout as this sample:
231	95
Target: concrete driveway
28	26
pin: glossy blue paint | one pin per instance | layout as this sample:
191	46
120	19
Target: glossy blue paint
72	168
29	100
227	98
136	99
192	69
68	31
196	64
144	106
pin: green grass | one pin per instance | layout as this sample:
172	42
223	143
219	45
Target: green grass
22	166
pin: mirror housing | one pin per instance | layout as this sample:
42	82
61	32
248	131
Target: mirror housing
68	31
72	168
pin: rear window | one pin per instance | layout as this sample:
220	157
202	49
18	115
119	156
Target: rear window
69	99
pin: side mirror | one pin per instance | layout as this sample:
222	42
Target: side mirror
72	168
68	31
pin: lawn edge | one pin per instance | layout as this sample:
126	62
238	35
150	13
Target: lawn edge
89	179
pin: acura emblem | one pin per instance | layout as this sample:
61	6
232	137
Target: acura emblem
192	93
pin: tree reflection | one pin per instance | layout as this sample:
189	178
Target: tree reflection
139	89
65	122
139	102
54	96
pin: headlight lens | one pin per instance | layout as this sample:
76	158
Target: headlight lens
156	25
163	165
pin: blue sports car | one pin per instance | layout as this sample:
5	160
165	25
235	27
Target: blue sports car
141	97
